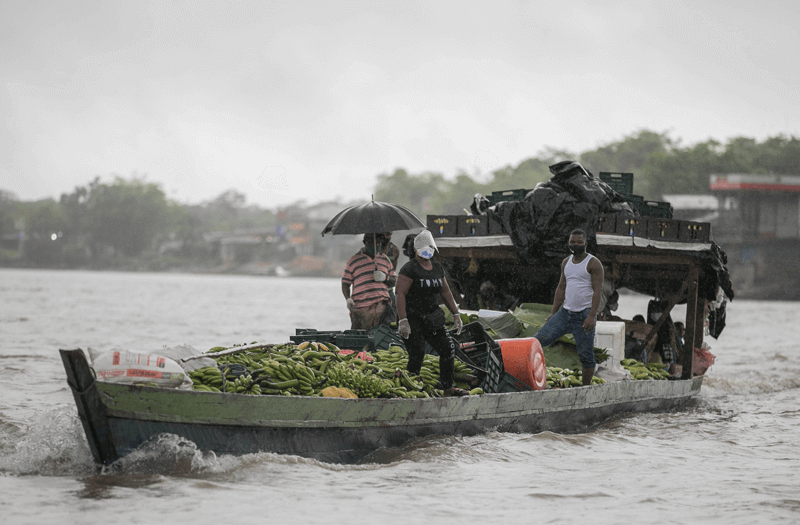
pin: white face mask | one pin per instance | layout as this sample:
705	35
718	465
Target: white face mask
426	252
655	317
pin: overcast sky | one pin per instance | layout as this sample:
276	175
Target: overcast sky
312	100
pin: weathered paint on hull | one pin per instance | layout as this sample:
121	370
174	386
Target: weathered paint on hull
345	443
346	430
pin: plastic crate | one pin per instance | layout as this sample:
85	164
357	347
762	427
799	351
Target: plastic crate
663	229
636	202
607	223
494	374
495	226
354	340
509	383
443	225
472	225
475	355
507	195
384	337
310	334
632	226
473	334
695	231
662	210
620	182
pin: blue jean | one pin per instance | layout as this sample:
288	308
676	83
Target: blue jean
567	322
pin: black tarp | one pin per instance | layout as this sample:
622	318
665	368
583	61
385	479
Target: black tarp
540	224
573	198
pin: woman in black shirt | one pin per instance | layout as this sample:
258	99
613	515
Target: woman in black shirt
420	285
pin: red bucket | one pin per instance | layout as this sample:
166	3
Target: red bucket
524	359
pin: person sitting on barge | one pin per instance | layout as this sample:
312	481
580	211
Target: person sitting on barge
575	304
420	286
667	345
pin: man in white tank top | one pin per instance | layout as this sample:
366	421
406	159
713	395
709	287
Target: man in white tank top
575	304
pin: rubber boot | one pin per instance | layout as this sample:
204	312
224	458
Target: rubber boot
587	374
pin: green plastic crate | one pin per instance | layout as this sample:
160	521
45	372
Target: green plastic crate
310	334
507	195
620	182
661	210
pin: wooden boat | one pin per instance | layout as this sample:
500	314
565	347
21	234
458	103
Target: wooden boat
119	418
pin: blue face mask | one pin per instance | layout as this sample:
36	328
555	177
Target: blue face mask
426	252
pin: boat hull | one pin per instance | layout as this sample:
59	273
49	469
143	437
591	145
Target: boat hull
124	417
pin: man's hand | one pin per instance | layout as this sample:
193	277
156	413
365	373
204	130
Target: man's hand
588	324
403	328
351	304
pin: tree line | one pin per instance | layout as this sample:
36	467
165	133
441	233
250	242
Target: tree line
660	164
120	224
125	222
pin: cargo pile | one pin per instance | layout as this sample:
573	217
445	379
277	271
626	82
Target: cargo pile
322	369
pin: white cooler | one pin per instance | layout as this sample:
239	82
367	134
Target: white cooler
611	336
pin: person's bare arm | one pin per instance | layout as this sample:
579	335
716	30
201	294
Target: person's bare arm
595	270
400	291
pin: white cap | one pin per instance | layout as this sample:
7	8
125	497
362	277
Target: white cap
423	239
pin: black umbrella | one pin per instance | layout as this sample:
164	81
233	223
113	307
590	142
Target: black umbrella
373	217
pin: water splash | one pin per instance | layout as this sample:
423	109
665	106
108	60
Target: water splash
51	444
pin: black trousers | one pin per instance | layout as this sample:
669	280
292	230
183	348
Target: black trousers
440	341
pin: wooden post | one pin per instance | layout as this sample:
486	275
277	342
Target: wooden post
693	337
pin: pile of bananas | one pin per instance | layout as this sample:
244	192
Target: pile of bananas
310	367
640	371
566	378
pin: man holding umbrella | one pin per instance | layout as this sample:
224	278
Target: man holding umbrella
369	272
364	285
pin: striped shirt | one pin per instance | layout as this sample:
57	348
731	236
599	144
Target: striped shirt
358	274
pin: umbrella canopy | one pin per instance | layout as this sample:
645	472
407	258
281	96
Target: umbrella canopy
373	217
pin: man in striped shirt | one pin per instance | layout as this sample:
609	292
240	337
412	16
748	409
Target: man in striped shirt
368	273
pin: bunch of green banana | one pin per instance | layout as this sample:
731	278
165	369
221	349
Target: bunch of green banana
600	354
208	379
243	385
641	371
364	385
566	378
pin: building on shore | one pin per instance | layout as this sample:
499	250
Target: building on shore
758	226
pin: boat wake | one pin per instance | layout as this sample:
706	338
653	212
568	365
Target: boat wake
51	444
755	383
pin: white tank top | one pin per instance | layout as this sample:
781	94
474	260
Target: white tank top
578	295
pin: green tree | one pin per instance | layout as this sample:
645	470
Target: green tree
7	213
526	175
125	215
453	197
680	171
629	155
415	192
45	223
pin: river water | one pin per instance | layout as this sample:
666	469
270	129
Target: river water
731	457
